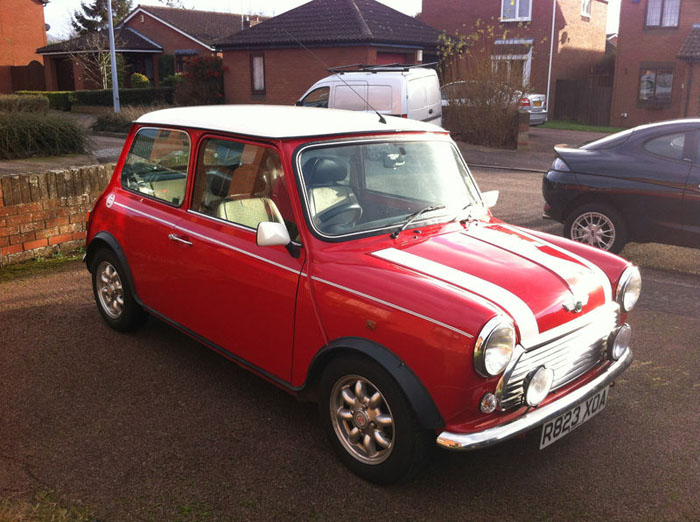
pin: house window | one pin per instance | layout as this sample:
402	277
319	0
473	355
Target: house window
655	85
516	10
257	73
182	56
586	8
663	13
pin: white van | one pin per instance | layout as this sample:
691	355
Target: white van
407	91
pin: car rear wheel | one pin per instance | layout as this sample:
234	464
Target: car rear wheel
597	225
370	423
115	302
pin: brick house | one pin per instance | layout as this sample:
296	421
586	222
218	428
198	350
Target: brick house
277	60
22	30
523	29
143	37
657	70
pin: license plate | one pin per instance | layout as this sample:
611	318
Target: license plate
572	419
537	103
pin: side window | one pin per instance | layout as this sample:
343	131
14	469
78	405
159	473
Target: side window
241	183
317	98
157	164
669	146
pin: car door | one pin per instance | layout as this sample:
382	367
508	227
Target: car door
691	200
154	179
656	181
240	297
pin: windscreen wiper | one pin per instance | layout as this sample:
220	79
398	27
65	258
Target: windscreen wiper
412	217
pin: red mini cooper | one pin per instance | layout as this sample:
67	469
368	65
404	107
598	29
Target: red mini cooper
352	260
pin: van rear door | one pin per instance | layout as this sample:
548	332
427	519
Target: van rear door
424	99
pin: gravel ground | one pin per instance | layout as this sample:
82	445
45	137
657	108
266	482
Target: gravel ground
154	426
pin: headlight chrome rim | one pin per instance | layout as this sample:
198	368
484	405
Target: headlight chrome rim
537	385
482	363
619	342
630	280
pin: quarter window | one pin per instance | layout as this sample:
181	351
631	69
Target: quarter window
241	183
157	164
655	85
670	146
516	10
663	13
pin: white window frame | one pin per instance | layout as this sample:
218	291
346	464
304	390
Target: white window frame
586	8
527	58
528	18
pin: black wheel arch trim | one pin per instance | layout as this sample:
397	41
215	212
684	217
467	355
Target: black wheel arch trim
113	244
417	394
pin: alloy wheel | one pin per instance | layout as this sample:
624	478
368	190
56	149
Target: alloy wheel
110	290
594	228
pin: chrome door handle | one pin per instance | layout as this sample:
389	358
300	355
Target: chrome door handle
175	237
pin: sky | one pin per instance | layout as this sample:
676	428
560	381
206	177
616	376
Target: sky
58	12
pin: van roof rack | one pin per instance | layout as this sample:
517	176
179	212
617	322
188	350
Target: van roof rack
390	67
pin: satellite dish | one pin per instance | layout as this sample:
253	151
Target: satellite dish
48	27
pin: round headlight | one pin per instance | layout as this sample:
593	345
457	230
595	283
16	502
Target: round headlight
537	385
629	288
494	347
619	342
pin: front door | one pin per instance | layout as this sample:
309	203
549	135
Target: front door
240	297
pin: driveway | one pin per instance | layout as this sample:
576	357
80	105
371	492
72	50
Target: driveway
154	426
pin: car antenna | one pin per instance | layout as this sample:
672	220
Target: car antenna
328	68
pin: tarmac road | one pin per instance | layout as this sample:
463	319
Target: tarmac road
153	426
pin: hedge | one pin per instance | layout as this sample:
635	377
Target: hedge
161	95
24	103
23	135
57	99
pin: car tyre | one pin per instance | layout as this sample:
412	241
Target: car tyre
370	423
113	296
597	225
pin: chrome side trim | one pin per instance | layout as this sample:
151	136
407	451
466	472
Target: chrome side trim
603	279
395	307
535	417
208	239
509	302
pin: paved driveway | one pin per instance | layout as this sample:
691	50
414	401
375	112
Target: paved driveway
153	426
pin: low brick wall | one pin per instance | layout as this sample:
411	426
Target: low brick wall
43	213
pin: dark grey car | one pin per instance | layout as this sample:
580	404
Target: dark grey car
642	184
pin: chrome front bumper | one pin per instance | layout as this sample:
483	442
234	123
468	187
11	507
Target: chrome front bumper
536	417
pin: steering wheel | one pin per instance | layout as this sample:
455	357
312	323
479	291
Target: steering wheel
352	208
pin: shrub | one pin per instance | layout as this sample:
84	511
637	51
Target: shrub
139	81
24	134
112	122
161	95
121	122
172	80
204	82
59	100
24	103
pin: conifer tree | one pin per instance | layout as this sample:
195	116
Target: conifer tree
92	15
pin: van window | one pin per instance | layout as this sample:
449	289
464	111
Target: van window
350	97
317	98
380	97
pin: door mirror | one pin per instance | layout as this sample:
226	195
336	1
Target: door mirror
272	234
490	198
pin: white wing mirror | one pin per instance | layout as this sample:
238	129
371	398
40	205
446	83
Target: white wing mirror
272	234
490	198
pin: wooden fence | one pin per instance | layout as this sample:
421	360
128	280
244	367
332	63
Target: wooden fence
577	101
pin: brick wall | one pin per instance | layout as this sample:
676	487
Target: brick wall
288	72
170	39
22	32
579	45
43	213
636	45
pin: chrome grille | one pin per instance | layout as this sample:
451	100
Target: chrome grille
570	351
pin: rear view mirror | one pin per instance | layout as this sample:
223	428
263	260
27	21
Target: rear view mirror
490	198
272	234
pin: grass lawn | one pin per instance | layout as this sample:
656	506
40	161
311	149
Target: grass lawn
572	125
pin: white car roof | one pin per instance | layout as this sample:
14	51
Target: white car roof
281	121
